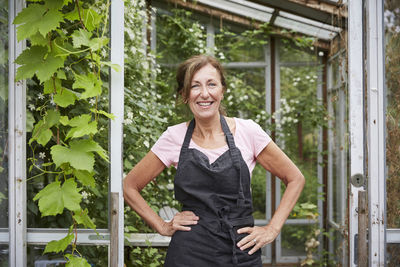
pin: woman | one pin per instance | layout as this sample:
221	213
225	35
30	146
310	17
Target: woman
214	156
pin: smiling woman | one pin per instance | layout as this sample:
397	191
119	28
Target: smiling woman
214	156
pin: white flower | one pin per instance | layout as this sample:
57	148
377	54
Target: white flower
320	53
52	102
312	80
315	76
127	121
245	97
131	157
295	84
170	186
40	96
84	195
307	77
67	68
92	101
397	29
312	109
31	106
104	53
129	115
146	143
42	155
229	97
191	30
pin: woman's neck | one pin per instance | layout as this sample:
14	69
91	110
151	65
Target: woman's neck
208	128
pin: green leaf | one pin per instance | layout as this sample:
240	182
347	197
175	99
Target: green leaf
41	133
82	126
61	75
64	120
73	15
91	19
59	245
54	4
49	85
64	97
89	145
102	112
36	18
85	177
52	118
37	60
38	39
76	261
77	158
115	67
81	37
50	199
71	196
83	218
30	120
89	83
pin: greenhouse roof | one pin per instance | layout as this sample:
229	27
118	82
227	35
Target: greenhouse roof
320	19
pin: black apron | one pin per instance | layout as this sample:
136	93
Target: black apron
219	193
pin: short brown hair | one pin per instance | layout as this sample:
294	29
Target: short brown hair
188	68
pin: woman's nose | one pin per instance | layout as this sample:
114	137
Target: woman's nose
204	92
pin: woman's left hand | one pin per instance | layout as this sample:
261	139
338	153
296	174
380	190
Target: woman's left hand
257	237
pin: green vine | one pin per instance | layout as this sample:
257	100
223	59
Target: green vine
65	60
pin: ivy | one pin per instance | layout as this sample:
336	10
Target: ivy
65	59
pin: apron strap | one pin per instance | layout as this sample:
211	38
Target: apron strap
235	154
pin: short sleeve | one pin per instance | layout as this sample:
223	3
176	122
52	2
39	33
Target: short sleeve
168	146
260	139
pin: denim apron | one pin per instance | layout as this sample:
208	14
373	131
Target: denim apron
219	193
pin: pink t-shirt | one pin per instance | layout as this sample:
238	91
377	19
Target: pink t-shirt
249	137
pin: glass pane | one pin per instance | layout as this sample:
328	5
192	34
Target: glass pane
94	255
294	238
338	249
393	255
298	121
178	36
234	43
3	128
392	53
289	53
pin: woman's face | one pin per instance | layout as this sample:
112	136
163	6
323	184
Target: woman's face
206	92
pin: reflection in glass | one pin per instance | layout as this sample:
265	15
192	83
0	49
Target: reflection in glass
294	238
392	72
3	129
95	256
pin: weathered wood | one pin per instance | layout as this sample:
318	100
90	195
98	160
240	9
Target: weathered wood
362	252
114	229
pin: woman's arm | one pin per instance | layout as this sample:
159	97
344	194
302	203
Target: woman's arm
145	171
275	161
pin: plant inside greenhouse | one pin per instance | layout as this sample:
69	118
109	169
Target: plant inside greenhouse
90	89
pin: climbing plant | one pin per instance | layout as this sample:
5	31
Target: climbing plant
65	65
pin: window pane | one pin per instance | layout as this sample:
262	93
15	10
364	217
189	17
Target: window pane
393	255
3	128
94	255
392	53
294	238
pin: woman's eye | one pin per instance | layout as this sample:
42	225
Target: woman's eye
194	86
212	84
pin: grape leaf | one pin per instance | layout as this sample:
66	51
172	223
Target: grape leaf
37	60
82	126
83	218
50	199
102	112
38	39
78	159
64	120
75	261
71	196
81	37
64	97
89	83
85	177
54	4
41	132
59	245
91	19
48	86
36	18
89	145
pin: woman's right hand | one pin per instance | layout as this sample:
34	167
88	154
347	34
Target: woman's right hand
179	222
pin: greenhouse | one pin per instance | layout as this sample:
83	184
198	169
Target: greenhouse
88	87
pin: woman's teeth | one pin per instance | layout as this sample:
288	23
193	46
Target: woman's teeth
205	103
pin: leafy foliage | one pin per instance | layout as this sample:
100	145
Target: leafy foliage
64	64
